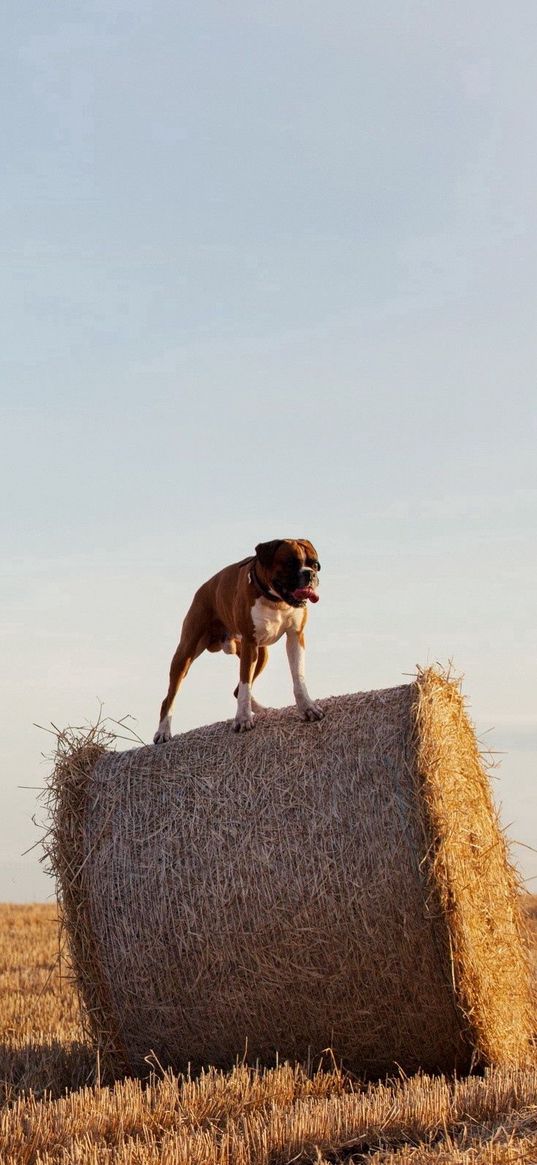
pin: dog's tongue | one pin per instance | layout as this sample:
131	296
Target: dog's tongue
306	593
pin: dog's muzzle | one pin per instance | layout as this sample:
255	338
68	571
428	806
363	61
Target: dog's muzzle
307	588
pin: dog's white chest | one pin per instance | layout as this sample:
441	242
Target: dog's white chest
271	622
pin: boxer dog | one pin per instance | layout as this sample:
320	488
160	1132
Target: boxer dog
243	610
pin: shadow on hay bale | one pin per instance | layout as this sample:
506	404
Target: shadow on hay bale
341	885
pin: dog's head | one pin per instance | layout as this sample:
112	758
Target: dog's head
290	567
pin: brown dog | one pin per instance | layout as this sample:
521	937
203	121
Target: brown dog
244	609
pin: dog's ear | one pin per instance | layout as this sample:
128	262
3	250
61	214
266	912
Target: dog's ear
265	551
311	553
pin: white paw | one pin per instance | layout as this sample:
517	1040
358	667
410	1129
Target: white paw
161	737
243	723
311	711
164	731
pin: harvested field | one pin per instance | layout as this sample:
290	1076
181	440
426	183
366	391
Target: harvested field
56	1113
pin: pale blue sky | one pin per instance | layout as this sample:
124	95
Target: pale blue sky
268	270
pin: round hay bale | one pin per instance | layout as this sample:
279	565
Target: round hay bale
338	885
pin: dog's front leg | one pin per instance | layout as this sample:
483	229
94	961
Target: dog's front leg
297	662
244	720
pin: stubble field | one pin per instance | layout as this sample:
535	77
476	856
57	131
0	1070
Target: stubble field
55	1109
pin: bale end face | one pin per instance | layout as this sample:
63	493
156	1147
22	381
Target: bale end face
478	889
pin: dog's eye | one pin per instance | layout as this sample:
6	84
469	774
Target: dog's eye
313	562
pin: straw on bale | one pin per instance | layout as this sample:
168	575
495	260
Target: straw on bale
342	884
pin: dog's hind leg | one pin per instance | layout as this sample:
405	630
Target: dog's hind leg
262	660
188	650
